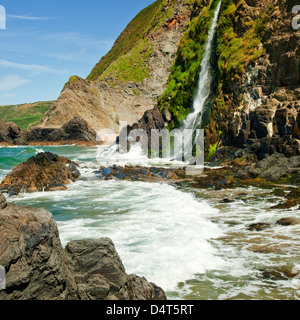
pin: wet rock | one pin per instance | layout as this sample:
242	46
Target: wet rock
39	173
293	200
226	200
135	173
271	168
287	222
55	187
258	226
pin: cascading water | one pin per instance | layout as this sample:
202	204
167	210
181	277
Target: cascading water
205	78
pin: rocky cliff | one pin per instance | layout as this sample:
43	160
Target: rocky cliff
254	100
38	268
130	78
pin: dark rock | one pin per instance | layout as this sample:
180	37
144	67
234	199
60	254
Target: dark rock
258	226
31	252
9	132
287	222
38	173
76	129
226	200
271	168
37	267
152	120
139	173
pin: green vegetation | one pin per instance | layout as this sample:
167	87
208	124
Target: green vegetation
237	45
235	50
184	75
126	60
25	115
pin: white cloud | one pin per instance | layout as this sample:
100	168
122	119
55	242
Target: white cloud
11	82
28	17
35	69
9	95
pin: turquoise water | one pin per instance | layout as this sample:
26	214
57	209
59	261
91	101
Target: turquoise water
185	241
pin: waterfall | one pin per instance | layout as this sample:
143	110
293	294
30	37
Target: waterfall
205	79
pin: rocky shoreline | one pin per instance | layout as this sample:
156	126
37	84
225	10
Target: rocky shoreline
39	268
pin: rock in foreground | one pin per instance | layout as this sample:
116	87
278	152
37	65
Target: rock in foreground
44	172
38	268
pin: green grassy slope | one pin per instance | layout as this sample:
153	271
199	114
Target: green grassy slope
25	115
126	60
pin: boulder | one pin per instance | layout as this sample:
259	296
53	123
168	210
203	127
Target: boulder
38	268
32	255
76	129
288	221
9	132
100	275
39	173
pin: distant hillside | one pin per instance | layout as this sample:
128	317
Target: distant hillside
25	115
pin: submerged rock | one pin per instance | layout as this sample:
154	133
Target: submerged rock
38	268
135	173
40	173
258	226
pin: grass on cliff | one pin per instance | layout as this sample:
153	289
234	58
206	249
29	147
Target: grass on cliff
25	115
126	60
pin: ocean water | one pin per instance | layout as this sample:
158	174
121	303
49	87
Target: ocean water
186	241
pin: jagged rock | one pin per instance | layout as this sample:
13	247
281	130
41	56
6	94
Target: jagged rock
38	268
151	120
271	168
77	129
100	275
9	132
31	252
39	173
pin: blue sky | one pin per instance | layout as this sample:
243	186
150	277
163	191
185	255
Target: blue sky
46	42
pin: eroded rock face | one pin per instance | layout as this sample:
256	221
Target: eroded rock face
40	173
9	132
108	100
31	252
38	268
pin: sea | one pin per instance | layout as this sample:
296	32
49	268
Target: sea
187	241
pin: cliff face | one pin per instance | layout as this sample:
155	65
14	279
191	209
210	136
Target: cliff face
130	78
254	100
261	108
